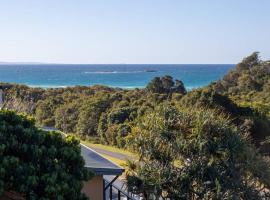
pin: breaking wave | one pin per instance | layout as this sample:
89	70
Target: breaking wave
114	72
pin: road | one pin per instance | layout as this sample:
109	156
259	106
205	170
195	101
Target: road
119	183
117	155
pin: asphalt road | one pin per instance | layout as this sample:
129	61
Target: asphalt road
111	154
120	156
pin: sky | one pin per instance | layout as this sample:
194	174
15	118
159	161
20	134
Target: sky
133	31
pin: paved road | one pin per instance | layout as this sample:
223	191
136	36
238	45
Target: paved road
120	156
119	183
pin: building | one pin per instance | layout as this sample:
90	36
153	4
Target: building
96	188
99	187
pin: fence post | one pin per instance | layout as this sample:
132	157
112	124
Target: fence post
119	195
104	190
110	192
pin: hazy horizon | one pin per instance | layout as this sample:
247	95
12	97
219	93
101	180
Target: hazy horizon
44	63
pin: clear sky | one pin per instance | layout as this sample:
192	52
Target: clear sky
133	31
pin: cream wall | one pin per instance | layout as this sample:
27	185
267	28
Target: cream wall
94	188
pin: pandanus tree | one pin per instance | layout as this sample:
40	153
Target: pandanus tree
196	154
35	164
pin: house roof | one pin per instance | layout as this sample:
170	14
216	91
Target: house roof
98	164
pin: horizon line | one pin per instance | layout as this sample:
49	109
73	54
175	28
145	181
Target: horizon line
48	63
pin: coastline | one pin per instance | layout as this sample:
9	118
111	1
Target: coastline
115	76
189	88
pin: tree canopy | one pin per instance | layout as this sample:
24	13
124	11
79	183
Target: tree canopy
99	113
196	154
166	85
37	164
237	106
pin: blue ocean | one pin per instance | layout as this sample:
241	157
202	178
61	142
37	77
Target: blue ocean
114	75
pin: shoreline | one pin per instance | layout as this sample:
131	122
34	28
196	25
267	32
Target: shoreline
189	88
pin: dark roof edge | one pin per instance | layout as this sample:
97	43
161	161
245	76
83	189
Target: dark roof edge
106	171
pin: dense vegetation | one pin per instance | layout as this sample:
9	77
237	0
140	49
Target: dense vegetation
107	114
195	154
36	164
248	84
102	113
210	142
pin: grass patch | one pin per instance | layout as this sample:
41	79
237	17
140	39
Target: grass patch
115	160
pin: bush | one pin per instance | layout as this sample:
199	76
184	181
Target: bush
38	164
196	154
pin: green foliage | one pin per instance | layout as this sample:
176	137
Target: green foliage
200	145
38	164
89	115
196	154
249	62
207	97
248	85
156	85
123	132
66	117
121	115
102	127
166	85
99	112
250	76
45	110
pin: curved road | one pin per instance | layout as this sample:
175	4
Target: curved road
119	156
116	155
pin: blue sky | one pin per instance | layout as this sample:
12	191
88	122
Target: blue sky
133	31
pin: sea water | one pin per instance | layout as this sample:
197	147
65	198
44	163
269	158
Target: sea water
114	75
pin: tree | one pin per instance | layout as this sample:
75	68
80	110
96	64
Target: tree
45	110
196	154
88	118
155	86
123	131
209	98
179	87
37	164
120	115
166	85
66	117
249	61
102	127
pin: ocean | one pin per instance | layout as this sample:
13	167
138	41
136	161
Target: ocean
113	75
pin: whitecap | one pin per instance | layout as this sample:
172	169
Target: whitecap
48	86
114	72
